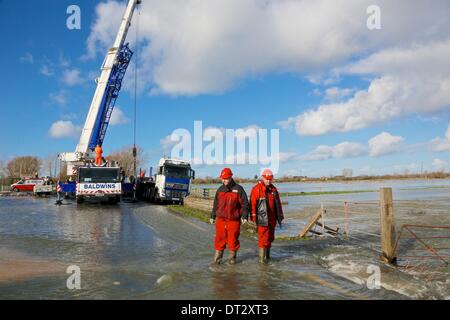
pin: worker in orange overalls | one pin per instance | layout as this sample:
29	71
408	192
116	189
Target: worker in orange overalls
266	211
98	155
230	205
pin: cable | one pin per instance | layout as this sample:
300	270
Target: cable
135	92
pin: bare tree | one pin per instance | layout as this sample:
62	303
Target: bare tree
62	171
2	174
50	165
124	157
23	166
2	169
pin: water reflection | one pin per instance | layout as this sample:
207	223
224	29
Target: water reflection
226	285
140	250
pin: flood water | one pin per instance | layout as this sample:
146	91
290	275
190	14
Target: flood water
143	251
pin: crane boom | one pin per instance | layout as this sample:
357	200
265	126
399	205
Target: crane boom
107	91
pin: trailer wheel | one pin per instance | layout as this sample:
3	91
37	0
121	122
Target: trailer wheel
80	199
114	200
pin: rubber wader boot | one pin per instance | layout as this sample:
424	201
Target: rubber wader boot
268	254
262	255
232	257
218	256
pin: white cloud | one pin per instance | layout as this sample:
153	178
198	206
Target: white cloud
439	165
46	70
412	80
64	129
71	77
109	15
194	47
288	156
63	61
118	117
441	144
341	150
167	143
335	94
59	98
27	58
383	144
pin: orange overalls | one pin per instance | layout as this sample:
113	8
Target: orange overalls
266	211
98	155
230	204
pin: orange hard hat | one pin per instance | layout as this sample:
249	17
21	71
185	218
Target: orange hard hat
226	173
267	174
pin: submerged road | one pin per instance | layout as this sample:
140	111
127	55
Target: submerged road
143	251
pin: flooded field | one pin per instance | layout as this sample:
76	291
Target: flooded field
144	251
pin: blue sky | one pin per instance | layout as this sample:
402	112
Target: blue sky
340	87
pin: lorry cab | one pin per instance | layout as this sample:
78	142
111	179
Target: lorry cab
98	182
26	184
173	179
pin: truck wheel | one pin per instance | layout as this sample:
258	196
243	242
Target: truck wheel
80	199
153	197
114	200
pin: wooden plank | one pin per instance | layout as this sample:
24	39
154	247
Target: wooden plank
320	224
387	224
311	223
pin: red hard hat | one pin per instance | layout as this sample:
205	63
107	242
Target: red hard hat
267	174
226	173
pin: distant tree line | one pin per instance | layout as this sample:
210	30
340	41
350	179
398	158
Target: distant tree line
426	175
30	166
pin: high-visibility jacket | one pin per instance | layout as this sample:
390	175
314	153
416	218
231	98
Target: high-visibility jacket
230	202
265	201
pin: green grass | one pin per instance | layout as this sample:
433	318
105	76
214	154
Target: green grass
292	238
319	193
191	212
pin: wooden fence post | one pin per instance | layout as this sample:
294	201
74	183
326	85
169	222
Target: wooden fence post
387	225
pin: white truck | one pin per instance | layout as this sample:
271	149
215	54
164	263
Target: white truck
102	183
45	189
171	183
